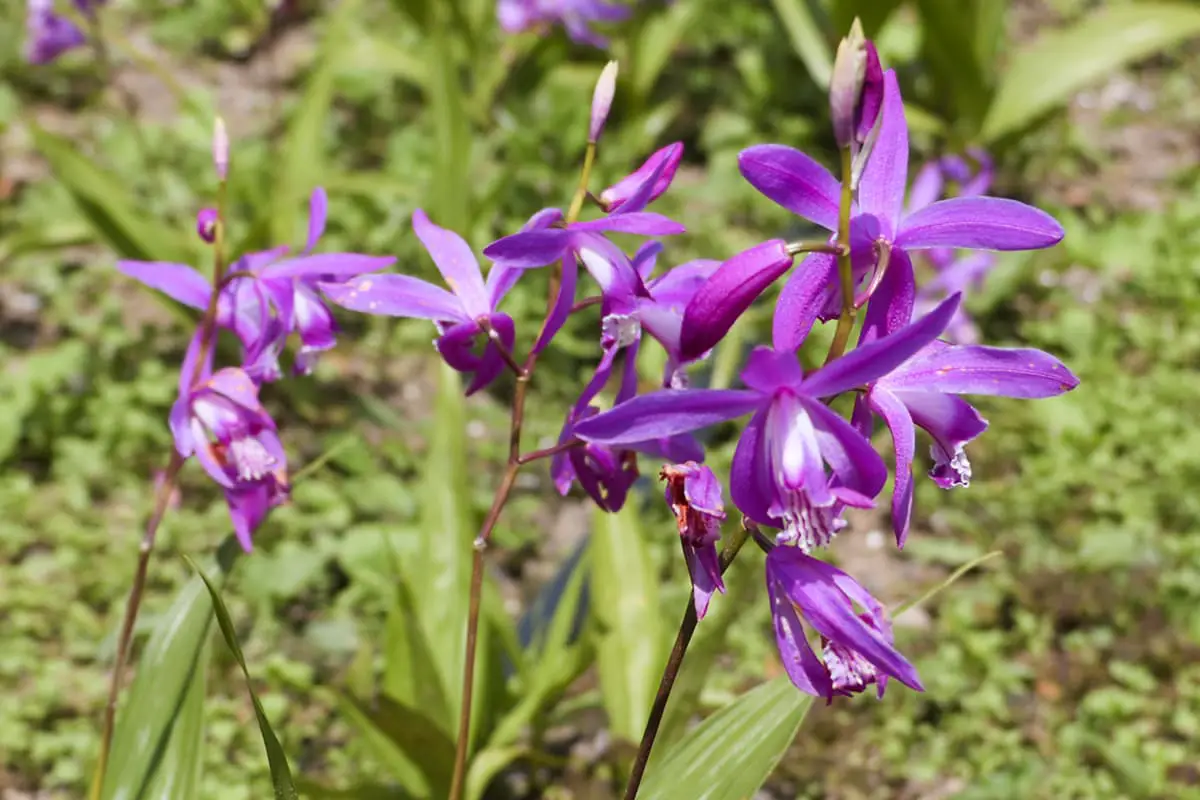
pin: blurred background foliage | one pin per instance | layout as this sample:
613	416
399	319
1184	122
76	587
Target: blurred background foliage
1066	668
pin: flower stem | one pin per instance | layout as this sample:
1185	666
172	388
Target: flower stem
161	500
515	461
537	455
841	336
687	628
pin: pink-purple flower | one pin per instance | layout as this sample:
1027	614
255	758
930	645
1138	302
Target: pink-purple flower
47	34
461	314
576	16
694	496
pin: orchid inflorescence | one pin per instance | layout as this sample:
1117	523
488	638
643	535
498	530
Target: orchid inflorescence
802	458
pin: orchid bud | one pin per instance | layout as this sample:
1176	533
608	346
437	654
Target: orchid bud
206	224
856	89
602	99
668	158
694	497
221	149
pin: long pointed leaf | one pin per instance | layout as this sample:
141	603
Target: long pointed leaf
1055	66
807	39
632	641
733	752
178	775
281	776
164	674
404	733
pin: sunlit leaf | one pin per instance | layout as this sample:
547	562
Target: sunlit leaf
807	39
632	641
961	81
178	773
654	43
733	752
450	193
486	765
281	775
105	203
162	678
406	741
1049	71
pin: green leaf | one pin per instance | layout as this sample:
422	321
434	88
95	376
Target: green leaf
361	791
165	675
486	765
654	43
1048	72
632	642
807	39
301	163
400	734
948	32
872	14
733	752
409	669
281	776
450	190
397	762
178	775
554	655
105	204
954	576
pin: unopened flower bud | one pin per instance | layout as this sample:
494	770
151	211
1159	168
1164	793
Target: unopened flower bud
855	90
221	149
602	99
206	224
694	497
667	158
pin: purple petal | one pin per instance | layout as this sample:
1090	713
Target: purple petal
312	320
767	370
396	296
926	187
542	219
646	258
794	181
646	183
533	248
255	262
679	285
981	223
974	369
952	422
237	386
178	420
456	262
493	363
749	477
612	270
870	361
562	304
891	306
328	266
802	666
728	293
189	375
318	206
178	281
643	223
881	189
848	452
500	279
457	346
807	291
808	583
704	569
666	413
904	440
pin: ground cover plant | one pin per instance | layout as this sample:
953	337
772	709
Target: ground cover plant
333	504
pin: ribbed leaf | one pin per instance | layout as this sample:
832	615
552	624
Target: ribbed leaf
733	752
178	774
1055	66
807	39
450	193
403	737
655	42
281	776
948	31
165	674
632	641
106	205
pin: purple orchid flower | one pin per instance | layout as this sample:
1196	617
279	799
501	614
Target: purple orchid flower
778	475
266	296
461	314
804	187
574	15
220	421
857	647
544	240
923	392
694	497
663	163
605	472
48	35
659	311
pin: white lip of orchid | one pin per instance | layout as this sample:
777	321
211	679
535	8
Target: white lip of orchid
598	266
250	458
956	468
621	329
